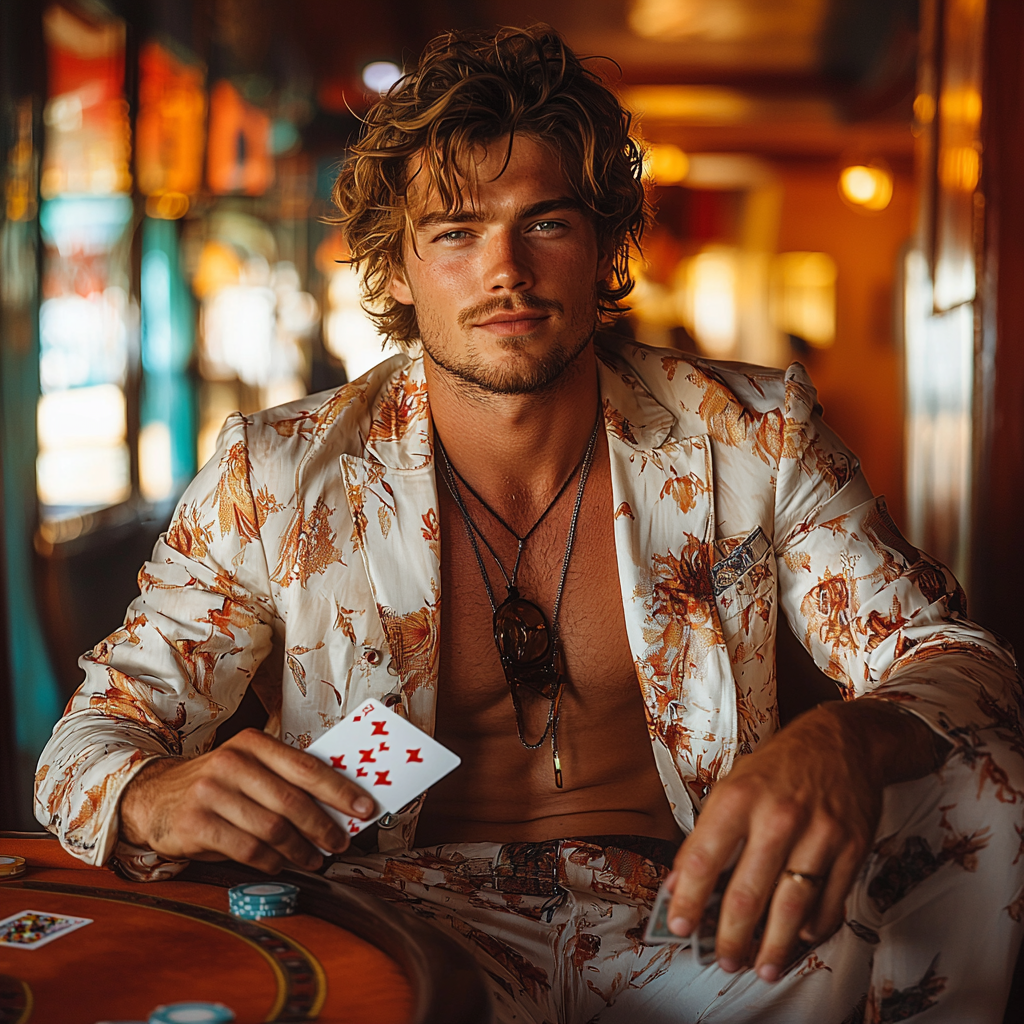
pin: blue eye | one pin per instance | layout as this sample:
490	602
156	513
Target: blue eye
548	225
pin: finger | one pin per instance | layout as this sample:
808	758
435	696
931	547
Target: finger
831	908
281	797
705	853
218	839
274	830
752	884
310	774
796	898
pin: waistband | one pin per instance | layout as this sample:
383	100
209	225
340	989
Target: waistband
544	869
661	851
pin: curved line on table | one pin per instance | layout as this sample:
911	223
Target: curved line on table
215	919
28	1000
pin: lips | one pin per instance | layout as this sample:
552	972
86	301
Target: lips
512	323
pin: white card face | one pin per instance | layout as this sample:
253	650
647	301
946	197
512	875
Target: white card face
31	929
384	754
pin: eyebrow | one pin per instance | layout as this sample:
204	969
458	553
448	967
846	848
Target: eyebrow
466	216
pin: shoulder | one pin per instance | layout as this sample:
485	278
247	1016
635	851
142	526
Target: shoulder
739	405
337	422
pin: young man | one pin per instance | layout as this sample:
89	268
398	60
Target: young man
604	515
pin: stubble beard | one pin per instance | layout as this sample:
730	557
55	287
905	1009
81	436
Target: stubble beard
527	375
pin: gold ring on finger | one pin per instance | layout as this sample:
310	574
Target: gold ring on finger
804	876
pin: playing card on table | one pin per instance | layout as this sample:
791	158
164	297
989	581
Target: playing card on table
31	929
384	754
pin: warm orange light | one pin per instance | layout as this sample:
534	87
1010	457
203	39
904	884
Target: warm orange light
962	105
866	186
698	104
924	108
170	126
239	145
803	296
88	138
665	164
219	267
167	205
960	168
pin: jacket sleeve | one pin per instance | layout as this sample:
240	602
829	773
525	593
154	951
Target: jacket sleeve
878	616
178	667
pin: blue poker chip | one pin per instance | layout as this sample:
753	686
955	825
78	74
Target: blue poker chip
256	913
242	902
263	906
263	899
256	902
192	1013
266	891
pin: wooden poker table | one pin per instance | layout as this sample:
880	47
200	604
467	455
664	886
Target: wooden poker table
344	958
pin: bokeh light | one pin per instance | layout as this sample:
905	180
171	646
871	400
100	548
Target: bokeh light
380	75
867	186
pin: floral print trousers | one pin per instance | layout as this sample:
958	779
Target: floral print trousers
932	926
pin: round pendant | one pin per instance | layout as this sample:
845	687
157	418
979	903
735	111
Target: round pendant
521	632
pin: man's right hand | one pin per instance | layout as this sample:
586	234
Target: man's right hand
252	800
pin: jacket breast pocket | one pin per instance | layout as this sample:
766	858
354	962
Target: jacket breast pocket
744	578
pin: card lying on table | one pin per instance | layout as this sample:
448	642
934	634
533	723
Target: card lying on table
34	928
384	754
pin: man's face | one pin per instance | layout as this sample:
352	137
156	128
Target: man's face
505	290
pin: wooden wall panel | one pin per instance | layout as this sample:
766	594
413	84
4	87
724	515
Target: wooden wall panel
999	497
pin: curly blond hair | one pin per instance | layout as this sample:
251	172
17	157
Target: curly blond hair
469	89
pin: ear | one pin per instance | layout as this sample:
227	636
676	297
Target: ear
604	264
400	290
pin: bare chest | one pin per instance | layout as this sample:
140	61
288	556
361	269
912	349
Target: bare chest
590	621
505	791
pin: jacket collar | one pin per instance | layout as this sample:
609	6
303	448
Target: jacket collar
399	433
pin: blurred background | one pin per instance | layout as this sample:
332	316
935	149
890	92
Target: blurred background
837	181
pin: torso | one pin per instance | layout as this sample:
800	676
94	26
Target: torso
504	792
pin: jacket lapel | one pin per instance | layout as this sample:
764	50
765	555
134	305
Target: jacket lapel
392	498
664	533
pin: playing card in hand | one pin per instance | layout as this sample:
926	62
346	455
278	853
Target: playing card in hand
657	925
384	754
31	929
702	940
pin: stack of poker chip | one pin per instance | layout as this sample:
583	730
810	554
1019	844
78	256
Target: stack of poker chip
191	1013
11	867
263	899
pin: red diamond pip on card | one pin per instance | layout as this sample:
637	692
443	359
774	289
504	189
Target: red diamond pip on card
385	755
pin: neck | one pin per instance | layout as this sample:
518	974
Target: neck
516	450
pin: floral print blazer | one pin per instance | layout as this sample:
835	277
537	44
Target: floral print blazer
304	560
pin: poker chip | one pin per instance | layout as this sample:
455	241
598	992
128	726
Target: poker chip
191	1013
11	867
266	890
263	899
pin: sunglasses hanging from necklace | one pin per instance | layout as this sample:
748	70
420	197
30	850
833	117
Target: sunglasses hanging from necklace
529	648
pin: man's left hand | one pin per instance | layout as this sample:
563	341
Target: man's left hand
804	808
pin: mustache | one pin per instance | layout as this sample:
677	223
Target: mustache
474	314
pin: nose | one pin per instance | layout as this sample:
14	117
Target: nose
508	266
